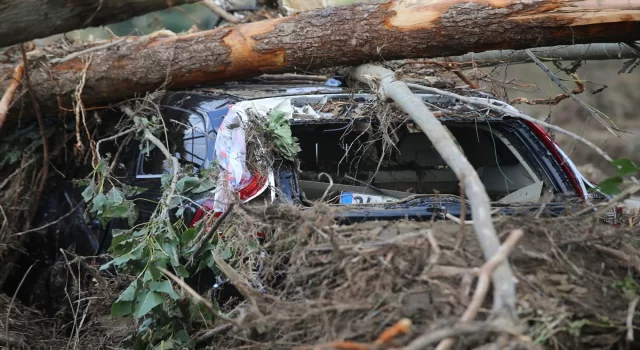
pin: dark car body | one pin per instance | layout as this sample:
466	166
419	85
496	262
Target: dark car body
494	144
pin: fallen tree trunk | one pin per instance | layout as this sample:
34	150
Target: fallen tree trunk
349	35
24	20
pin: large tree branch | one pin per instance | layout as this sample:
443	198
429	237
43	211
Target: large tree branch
349	35
584	52
399	92
24	20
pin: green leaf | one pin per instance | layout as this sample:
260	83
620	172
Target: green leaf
166	345
187	183
99	202
610	185
89	192
188	235
146	303
121	308
165	180
226	253
129	294
206	184
132	215
164	287
119	238
118	261
118	211
182	272
102	167
625	166
115	196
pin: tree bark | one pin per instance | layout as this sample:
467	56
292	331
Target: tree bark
350	35
24	20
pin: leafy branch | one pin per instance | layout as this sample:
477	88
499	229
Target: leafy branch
147	249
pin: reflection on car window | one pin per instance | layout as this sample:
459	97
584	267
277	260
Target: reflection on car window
195	141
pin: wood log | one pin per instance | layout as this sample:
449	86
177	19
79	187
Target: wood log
350	35
24	20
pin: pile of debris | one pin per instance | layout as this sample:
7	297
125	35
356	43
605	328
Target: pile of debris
353	282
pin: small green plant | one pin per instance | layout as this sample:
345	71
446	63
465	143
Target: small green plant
628	286
280	130
625	169
166	317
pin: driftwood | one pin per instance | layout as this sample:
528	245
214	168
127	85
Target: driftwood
348	35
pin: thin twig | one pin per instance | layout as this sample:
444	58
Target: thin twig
14	298
630	313
51	223
89	50
629	191
457	220
427	339
513	112
210	233
213	332
197	296
552	101
435	256
7	97
43	135
458	72
566	90
220	12
620	256
114	162
186	13
16	172
484	281
126	132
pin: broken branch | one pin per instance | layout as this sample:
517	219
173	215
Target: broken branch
220	12
553	100
465	329
584	52
484	281
398	91
592	111
7	97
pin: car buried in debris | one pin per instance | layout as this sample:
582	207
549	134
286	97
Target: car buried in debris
357	153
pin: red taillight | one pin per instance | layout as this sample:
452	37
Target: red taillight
253	187
202	212
551	146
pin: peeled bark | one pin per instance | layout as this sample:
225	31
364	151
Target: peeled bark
24	20
350	35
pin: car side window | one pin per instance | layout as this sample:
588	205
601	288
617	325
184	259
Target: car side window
196	145
188	142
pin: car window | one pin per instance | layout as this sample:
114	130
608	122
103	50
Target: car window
195	141
188	141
